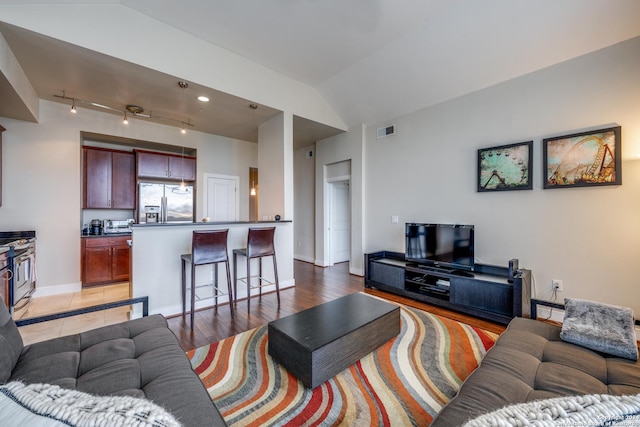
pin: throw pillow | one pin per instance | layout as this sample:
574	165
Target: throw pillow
601	327
47	405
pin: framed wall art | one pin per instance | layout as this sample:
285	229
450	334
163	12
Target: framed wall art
505	167
583	159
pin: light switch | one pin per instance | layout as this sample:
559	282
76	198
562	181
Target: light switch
394	219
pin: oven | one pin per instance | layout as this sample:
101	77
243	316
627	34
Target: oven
21	280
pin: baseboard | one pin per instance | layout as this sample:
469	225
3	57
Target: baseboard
548	313
304	258
46	291
356	271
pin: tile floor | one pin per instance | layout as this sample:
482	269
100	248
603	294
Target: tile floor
75	324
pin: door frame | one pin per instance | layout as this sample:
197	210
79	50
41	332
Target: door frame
205	194
329	216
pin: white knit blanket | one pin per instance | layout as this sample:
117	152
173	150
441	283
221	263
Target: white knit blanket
583	411
36	404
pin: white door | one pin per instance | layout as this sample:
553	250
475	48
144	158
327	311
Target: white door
340	224
221	198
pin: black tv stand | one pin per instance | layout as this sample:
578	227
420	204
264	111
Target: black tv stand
486	292
462	273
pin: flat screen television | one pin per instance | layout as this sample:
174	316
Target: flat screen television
440	245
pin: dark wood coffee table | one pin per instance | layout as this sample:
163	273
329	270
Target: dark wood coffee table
318	343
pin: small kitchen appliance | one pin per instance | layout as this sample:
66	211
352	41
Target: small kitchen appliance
152	213
96	227
117	226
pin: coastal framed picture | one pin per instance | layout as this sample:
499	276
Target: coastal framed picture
583	159
505	167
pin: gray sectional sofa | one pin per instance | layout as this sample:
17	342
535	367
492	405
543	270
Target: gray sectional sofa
530	362
140	358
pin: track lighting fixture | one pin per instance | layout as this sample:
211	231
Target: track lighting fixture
133	110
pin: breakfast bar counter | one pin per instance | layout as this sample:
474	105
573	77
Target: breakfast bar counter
156	266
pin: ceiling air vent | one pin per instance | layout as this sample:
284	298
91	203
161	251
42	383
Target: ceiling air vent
386	131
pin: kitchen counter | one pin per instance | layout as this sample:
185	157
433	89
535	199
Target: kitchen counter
202	223
91	236
157	271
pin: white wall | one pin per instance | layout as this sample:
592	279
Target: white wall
275	168
588	237
304	204
342	147
42	178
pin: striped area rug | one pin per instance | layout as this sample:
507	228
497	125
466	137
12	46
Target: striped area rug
405	382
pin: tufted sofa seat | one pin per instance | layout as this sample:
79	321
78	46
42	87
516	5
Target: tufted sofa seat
530	362
140	358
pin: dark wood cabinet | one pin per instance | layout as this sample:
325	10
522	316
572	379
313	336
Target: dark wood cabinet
109	179
486	292
123	179
165	166
105	260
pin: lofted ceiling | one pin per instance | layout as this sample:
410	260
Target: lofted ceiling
371	60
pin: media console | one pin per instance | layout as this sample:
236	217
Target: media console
485	292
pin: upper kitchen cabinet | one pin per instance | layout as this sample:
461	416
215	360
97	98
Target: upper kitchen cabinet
109	179
166	166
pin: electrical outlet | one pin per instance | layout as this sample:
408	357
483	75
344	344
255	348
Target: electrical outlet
556	285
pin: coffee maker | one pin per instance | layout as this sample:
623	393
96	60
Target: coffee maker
152	213
96	227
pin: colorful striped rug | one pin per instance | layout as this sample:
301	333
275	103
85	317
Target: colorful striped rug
405	382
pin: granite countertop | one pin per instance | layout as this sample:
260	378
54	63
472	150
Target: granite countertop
178	224
90	236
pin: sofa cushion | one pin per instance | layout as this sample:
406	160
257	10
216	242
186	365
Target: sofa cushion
529	362
46	405
601	327
10	343
140	358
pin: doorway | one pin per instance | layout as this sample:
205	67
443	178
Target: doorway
221	197
253	194
339	220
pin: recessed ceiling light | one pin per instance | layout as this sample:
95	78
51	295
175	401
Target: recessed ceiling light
203	98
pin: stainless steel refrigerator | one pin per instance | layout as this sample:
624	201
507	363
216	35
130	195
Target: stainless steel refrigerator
175	201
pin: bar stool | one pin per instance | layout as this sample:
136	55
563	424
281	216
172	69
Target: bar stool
207	247
259	245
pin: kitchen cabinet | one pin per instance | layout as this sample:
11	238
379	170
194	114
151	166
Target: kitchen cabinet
165	166
105	260
109	179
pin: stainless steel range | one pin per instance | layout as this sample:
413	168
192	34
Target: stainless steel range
21	253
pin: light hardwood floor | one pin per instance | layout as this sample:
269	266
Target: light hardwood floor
71	301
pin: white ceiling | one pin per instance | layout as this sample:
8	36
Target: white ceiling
371	60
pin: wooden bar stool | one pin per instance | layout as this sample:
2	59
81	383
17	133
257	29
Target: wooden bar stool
207	247
259	245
